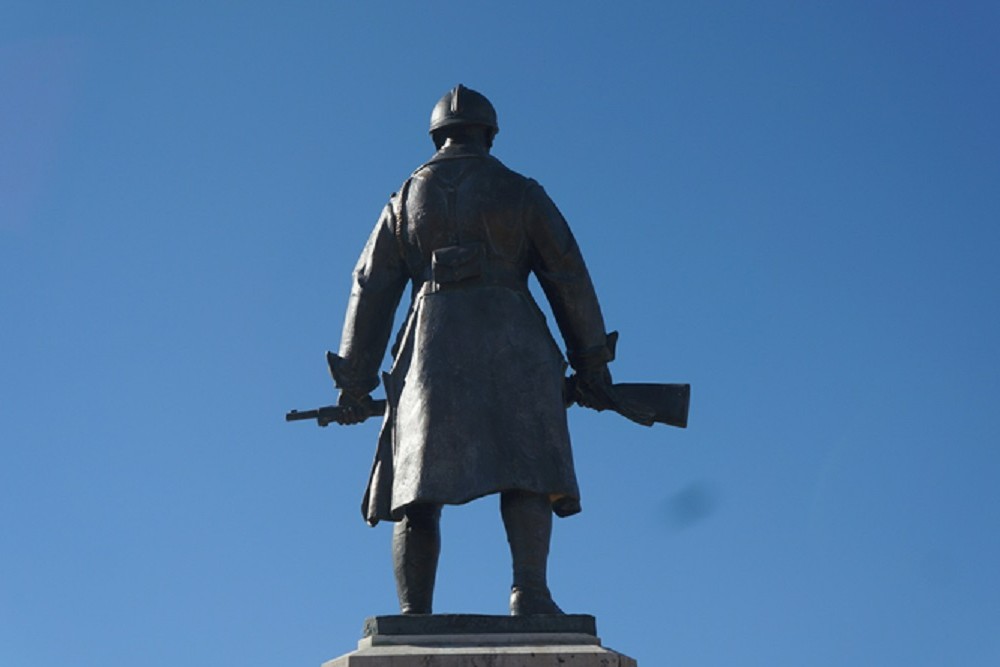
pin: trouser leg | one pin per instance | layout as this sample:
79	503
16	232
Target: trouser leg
527	518
416	545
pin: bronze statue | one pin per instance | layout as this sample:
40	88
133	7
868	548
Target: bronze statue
476	398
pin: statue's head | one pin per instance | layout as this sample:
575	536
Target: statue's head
463	111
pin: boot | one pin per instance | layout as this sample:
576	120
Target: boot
527	518
416	545
528	602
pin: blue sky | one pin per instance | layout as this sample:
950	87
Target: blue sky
792	206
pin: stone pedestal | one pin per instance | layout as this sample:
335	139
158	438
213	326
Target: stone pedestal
463	640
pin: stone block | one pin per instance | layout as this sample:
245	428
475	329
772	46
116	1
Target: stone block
464	640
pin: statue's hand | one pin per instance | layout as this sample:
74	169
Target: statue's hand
354	408
593	388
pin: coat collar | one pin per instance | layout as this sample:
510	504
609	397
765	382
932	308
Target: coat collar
458	152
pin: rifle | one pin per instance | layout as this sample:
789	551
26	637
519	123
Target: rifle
330	413
644	403
649	403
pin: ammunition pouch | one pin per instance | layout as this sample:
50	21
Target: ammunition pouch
457	263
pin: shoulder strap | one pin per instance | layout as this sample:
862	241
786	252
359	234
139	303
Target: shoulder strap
399	213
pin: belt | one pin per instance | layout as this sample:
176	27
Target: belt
510	282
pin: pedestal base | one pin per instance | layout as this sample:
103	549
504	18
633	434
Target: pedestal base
481	641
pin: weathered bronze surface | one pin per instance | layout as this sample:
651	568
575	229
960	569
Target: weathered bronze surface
476	397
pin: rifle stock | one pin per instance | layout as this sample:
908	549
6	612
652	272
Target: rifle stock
667	403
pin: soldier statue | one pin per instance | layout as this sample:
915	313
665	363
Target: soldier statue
476	396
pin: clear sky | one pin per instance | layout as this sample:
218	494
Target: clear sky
794	206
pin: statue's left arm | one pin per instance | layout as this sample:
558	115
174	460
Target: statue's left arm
558	264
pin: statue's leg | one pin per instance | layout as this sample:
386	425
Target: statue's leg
527	517
416	545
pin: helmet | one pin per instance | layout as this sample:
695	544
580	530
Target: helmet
463	106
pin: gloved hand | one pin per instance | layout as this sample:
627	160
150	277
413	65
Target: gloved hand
596	391
592	382
355	408
592	388
592	385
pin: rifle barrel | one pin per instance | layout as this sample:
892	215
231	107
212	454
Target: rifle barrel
296	415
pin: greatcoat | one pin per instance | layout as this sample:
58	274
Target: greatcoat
475	395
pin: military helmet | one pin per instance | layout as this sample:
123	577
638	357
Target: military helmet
463	106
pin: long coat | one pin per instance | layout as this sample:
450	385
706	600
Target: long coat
475	393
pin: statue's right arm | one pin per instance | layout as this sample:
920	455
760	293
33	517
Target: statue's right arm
377	286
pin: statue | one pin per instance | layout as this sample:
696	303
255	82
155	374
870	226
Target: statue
477	394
